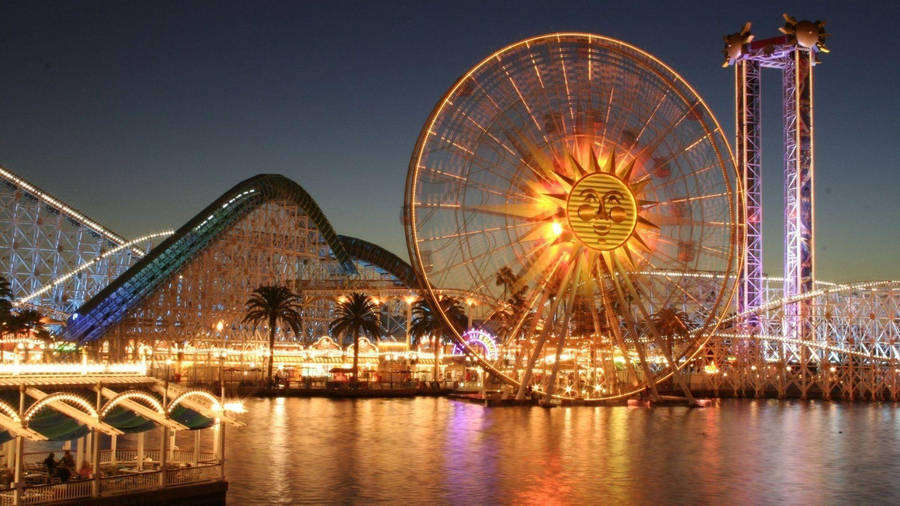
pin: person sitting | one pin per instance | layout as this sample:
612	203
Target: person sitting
86	470
50	464
6	477
63	473
68	462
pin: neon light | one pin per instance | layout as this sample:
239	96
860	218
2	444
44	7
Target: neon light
198	393
235	407
60	369
100	229
133	394
65	277
9	411
61	397
479	337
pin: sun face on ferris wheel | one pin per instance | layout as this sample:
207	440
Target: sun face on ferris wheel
600	198
601	211
600	202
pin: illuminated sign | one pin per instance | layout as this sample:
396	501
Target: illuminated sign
479	341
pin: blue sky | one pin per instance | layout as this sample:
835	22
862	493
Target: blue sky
142	113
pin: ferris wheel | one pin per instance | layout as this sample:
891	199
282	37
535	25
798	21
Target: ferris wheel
585	189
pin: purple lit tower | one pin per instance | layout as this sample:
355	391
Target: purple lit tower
794	53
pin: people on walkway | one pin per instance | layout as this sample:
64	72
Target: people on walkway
63	473
86	470
50	464
62	469
6	477
68	461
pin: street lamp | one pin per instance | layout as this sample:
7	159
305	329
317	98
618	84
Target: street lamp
410	300
469	302
219	326
222	354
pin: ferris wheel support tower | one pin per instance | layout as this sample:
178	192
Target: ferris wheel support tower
794	53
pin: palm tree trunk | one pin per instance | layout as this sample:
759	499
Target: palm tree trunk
550	323
434	344
678	377
271	348
551	386
355	359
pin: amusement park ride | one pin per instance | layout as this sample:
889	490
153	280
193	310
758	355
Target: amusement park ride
599	177
573	185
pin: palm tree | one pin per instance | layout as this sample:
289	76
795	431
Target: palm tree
270	304
29	321
356	316
511	311
426	321
505	278
670	324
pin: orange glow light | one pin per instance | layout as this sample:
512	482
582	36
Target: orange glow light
556	229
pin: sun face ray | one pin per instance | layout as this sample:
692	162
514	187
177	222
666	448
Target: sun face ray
627	170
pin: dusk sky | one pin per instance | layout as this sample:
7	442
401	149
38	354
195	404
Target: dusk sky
142	113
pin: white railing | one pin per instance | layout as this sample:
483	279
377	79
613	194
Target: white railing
187	456
129	455
122	455
193	474
127	482
145	480
152	455
126	455
59	492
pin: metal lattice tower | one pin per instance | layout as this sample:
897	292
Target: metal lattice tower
793	54
748	150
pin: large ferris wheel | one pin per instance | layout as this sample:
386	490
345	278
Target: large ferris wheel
581	186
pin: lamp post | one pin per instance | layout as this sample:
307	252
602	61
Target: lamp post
222	354
219	326
409	299
469	303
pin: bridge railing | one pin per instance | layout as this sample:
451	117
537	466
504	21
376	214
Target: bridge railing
197	474
132	482
126	481
58	492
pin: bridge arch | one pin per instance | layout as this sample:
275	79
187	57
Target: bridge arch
9	411
69	398
149	400
216	406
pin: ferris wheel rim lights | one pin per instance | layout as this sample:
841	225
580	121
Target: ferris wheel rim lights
667	76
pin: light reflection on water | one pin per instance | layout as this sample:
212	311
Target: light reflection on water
436	451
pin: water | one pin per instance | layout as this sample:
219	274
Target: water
437	451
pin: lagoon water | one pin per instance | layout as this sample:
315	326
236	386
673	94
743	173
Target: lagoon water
438	451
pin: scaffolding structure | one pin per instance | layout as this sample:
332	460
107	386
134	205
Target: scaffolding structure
794	54
54	256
